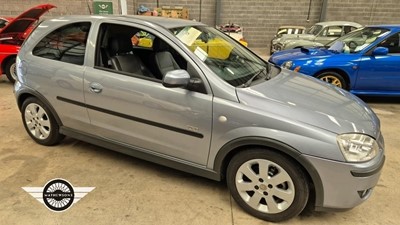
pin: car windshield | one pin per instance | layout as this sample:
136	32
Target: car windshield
359	39
314	30
226	57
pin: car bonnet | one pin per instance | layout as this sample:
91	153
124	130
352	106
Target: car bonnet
308	100
21	23
299	53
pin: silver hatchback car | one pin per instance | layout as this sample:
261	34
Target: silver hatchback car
184	95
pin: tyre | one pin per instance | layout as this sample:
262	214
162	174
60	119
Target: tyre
267	184
333	78
40	123
11	71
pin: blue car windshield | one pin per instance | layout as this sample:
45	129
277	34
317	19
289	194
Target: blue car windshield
359	39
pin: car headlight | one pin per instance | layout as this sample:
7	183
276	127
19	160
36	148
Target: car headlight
287	64
357	147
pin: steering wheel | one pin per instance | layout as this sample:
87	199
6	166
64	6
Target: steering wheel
352	45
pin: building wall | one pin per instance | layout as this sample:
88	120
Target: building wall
366	12
259	18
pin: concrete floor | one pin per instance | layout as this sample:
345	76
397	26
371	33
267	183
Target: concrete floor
132	191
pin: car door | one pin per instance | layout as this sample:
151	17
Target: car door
58	69
136	110
381	73
329	34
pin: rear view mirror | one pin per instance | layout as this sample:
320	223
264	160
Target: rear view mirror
176	78
380	51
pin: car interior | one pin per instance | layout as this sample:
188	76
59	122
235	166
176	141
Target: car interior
392	43
132	51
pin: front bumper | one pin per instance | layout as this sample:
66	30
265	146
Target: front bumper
346	185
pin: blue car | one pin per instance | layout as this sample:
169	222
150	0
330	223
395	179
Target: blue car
365	61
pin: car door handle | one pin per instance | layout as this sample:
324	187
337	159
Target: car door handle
95	87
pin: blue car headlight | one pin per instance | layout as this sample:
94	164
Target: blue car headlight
287	65
357	147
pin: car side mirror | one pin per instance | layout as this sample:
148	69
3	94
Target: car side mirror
176	78
380	51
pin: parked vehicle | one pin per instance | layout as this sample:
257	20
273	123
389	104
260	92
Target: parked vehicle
366	61
13	35
235	31
4	21
283	30
230	27
318	35
280	139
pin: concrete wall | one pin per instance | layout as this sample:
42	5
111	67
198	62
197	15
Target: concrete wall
259	18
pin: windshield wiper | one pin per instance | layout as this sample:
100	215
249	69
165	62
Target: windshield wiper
266	74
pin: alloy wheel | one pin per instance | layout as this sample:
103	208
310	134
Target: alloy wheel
37	121
265	186
332	80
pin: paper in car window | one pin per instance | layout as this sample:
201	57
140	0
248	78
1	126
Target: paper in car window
188	35
201	54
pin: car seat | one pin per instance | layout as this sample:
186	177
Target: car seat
123	58
165	62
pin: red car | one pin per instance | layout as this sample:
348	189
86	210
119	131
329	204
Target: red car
4	21
230	28
13	35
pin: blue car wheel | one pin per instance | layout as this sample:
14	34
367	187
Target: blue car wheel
333	78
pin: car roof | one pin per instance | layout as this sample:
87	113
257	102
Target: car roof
341	23
290	26
167	23
388	26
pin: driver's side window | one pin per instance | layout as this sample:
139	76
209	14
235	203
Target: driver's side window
392	43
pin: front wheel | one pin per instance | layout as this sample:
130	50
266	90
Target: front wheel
40	123
267	184
333	78
11	71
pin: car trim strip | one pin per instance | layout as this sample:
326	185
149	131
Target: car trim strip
137	119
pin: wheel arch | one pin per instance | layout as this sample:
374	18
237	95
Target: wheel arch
23	96
241	144
344	74
6	60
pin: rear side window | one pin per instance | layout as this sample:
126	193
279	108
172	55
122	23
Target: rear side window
66	44
333	31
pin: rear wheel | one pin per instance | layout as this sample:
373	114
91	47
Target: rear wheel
40	123
333	78
11	70
267	184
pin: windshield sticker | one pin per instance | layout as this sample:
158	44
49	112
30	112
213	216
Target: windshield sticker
188	35
201	54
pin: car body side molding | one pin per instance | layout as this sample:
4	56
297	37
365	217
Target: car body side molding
129	117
